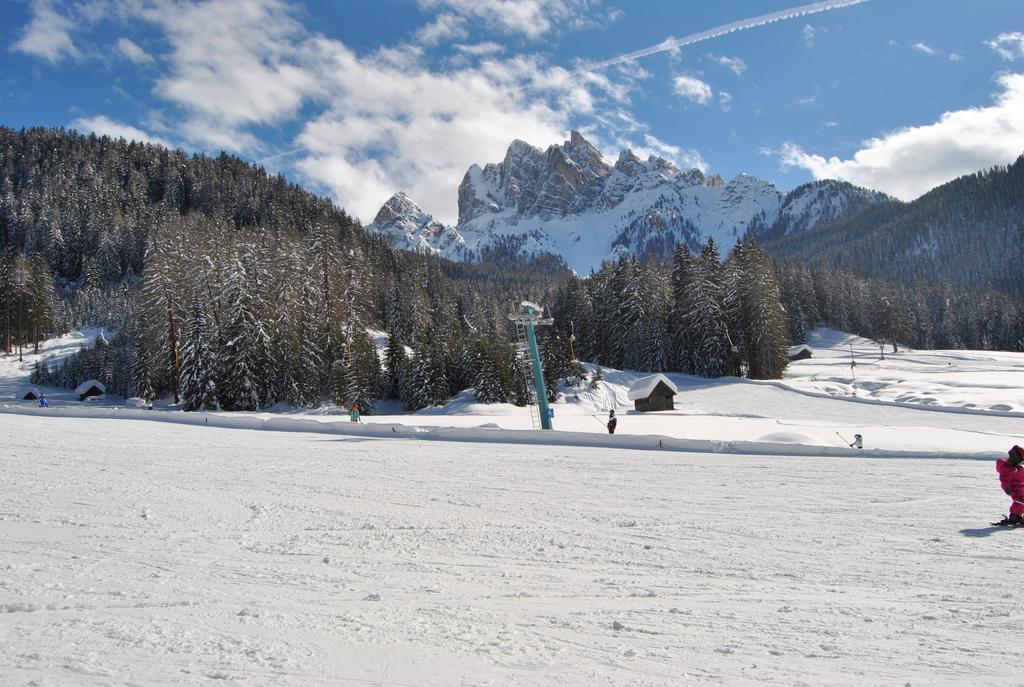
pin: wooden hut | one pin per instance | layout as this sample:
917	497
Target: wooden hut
27	393
655	392
801	352
89	389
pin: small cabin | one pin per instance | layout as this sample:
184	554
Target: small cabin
27	394
801	352
89	389
656	392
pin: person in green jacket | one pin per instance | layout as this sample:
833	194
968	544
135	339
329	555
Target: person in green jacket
353	414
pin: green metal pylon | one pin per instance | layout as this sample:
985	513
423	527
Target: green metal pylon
529	316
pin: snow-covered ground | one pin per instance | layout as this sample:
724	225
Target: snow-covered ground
746	545
15	373
984	380
137	552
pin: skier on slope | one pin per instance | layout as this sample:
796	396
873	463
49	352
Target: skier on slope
43	403
353	414
1011	479
612	421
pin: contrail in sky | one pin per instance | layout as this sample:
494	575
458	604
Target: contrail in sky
742	25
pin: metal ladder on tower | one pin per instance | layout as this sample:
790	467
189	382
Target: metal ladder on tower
526	365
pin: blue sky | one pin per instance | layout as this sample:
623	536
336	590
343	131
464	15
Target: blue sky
359	100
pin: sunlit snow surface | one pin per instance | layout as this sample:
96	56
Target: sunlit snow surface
142	552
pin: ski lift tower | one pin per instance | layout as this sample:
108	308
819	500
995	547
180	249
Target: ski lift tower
527	317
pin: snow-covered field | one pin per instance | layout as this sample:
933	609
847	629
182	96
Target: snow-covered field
746	545
143	553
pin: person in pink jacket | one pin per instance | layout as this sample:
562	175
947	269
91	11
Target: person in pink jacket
1011	479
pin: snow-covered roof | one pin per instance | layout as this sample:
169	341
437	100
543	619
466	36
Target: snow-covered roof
797	350
643	387
85	386
25	391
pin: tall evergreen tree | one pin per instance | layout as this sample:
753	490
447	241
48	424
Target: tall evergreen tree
198	363
241	384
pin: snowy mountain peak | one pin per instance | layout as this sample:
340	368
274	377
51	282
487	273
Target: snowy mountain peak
399	204
408	227
568	201
628	163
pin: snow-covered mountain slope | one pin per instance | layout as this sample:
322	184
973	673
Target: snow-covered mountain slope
568	201
821	201
408	227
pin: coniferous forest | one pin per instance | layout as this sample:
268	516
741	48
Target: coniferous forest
222	286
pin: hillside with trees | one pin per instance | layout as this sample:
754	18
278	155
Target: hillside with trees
968	232
222	286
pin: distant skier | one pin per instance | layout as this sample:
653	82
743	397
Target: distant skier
1011	479
612	421
353	414
43	403
858	441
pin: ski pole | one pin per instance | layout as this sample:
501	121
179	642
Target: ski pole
843	438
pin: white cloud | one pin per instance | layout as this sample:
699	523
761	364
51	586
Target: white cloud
921	47
809	32
48	34
737	65
234	63
683	158
531	18
1009	46
628	130
101	125
725	100
693	88
911	161
368	124
480	49
132	51
386	129
445	27
955	57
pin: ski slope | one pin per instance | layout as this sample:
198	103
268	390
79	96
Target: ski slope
139	552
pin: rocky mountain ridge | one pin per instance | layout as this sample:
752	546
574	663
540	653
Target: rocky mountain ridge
568	201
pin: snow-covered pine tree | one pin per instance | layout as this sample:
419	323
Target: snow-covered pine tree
424	380
309	368
707	318
650	345
364	368
163	309
520	375
198	364
631	310
684	276
325	268
241	386
605	304
491	384
141	366
394	360
574	314
889	320
765	327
